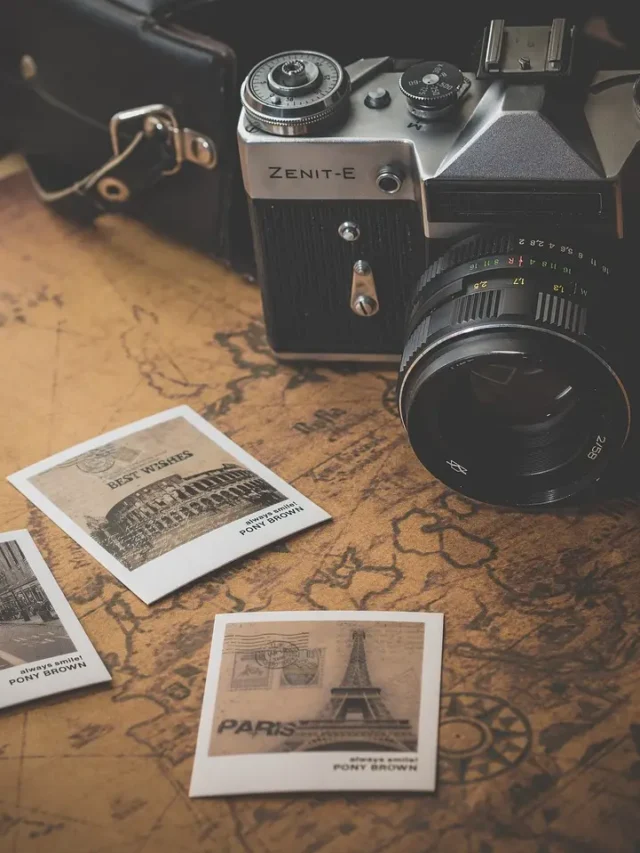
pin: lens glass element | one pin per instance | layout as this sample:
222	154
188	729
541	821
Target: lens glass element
504	410
518	395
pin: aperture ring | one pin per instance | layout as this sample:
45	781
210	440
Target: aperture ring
468	250
527	249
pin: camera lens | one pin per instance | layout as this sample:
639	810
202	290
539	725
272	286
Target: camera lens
507	388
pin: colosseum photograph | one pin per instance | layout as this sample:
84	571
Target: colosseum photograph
155	490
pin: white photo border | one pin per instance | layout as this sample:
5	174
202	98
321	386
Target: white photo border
191	560
223	775
95	671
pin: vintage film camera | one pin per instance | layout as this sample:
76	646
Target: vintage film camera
476	225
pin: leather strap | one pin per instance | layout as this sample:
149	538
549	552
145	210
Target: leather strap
137	163
58	94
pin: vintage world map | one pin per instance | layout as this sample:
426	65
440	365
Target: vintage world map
540	710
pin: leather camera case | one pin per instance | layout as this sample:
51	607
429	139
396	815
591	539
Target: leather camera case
70	65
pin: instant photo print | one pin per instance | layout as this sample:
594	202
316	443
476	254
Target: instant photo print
165	500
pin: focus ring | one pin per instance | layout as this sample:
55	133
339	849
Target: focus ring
415	343
508	243
478	306
561	313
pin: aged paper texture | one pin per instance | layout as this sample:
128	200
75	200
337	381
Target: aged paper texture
320	701
154	490
349	686
165	500
43	648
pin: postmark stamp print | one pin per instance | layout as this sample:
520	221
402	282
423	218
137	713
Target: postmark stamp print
305	671
277	655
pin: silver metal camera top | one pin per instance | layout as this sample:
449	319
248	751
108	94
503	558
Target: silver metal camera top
295	93
501	130
491	135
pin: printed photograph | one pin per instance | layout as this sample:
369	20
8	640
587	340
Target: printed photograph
154	490
318	686
30	629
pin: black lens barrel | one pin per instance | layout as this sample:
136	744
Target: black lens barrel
520	303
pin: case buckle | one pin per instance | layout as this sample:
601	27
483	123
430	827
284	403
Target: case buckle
187	144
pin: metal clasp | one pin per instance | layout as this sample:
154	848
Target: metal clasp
187	144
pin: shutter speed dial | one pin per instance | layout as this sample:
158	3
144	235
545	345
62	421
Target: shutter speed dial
432	88
295	93
294	77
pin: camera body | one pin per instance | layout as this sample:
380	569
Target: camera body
388	184
478	226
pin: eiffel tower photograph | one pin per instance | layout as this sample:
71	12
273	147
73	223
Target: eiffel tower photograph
363	695
356	717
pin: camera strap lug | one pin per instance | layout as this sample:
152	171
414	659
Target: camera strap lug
147	145
158	119
364	297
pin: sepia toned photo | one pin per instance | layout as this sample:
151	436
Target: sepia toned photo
165	500
30	628
320	701
43	648
154	490
318	686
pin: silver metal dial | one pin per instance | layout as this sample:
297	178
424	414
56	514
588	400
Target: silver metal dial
295	93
